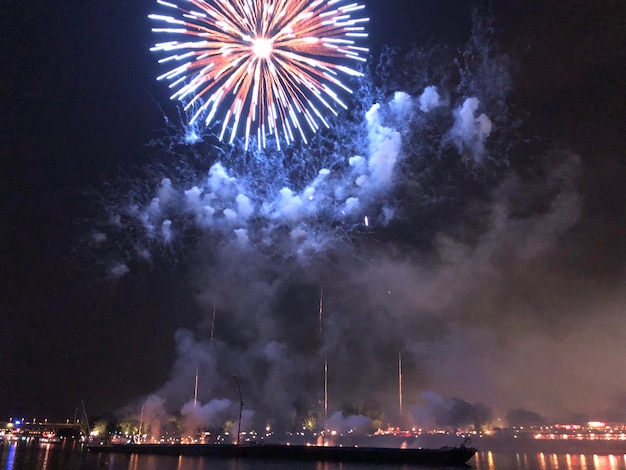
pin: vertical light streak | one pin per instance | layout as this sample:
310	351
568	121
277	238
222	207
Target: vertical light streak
140	423
400	382
325	356
325	387
240	408
213	325
321	305
195	390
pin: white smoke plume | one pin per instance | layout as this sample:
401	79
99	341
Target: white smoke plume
418	236
153	415
469	129
355	424
225	204
205	416
430	99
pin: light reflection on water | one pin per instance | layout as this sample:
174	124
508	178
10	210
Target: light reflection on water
10	458
72	456
546	461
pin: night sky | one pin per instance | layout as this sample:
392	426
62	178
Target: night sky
79	106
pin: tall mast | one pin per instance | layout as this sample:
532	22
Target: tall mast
86	419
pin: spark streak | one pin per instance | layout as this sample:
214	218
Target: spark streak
269	63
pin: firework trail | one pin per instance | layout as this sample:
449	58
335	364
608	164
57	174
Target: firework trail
269	62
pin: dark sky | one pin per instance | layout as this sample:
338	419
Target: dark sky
79	102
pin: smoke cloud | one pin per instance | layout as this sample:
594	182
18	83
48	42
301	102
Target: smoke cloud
404	231
470	130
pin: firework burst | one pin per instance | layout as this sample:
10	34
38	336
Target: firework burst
270	63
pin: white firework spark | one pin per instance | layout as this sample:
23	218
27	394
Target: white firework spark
271	63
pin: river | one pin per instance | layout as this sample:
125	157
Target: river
70	455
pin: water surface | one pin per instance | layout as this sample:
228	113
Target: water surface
72	456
